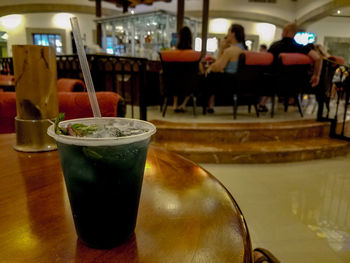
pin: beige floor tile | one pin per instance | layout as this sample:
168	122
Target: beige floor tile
300	211
302	252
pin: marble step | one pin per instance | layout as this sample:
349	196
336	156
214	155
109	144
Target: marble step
213	133
259	152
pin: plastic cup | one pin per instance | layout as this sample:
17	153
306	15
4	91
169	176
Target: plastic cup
104	178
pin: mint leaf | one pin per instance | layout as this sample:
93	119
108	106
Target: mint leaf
83	130
59	130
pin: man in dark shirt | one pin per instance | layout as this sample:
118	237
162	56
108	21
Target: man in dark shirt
288	45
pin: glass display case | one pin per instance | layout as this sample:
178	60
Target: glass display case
143	34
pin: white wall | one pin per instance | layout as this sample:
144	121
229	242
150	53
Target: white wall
66	2
283	9
252	28
330	27
17	36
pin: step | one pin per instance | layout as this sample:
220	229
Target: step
239	132
259	152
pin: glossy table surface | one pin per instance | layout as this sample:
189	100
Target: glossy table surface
185	214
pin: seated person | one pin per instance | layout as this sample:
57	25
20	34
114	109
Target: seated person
321	50
185	42
288	45
262	48
230	49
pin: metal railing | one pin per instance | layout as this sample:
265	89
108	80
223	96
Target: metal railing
334	95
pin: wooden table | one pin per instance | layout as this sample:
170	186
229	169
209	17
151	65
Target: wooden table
185	214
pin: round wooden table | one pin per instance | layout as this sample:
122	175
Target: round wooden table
185	214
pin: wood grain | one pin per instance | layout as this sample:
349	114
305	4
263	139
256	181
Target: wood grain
185	214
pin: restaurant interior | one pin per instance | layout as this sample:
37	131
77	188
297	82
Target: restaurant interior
266	167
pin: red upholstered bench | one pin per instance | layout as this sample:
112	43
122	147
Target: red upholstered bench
64	85
73	104
7	112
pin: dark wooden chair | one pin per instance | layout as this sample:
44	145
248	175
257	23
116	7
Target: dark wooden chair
293	78
180	75
252	80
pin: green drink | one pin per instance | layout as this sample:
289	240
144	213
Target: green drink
103	177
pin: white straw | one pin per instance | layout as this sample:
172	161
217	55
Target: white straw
85	67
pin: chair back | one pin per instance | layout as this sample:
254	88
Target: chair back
293	73
180	71
77	104
251	73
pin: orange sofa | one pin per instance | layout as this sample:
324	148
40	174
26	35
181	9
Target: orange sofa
73	104
64	84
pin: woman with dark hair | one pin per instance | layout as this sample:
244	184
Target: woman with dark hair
185	39
184	42
230	49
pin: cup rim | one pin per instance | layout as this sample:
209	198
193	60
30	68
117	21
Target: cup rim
109	141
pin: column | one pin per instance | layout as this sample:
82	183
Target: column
99	26
205	18
180	14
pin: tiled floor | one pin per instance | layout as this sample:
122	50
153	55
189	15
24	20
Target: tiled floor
299	211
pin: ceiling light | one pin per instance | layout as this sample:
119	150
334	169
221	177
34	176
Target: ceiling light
266	31
132	12
11	21
338	12
61	20
219	26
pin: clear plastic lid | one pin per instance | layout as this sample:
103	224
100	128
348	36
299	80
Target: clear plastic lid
123	123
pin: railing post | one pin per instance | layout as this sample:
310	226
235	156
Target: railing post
142	91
